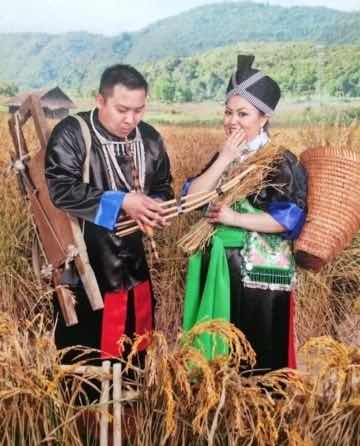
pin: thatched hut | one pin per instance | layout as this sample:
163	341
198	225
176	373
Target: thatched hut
54	101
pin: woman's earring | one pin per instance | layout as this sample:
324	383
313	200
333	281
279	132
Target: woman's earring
263	135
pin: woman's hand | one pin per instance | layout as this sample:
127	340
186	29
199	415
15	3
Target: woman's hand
220	213
233	145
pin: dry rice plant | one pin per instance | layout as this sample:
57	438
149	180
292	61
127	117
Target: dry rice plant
39	402
20	294
262	164
339	136
331	413
189	401
332	295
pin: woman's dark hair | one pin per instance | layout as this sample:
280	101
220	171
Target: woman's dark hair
267	124
124	75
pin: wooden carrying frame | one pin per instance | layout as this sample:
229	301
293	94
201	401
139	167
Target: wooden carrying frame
59	235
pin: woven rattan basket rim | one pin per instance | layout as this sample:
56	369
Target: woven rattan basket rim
329	153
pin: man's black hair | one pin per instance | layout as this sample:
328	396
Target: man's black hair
124	75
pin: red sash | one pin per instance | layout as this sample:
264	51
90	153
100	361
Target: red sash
115	314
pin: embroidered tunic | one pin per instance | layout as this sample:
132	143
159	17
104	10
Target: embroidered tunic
119	263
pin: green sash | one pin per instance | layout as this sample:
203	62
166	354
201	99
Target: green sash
214	303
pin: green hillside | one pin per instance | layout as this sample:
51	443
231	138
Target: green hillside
302	69
75	60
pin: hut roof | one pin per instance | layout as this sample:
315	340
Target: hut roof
52	98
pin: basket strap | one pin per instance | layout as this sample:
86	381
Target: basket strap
85	131
86	272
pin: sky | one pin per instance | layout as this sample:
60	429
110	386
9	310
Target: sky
111	17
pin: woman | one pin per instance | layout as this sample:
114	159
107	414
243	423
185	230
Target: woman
259	275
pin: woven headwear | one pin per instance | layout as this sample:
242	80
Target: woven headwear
254	86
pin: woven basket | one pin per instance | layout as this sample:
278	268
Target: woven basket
333	205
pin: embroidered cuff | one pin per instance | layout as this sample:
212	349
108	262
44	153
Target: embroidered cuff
288	215
109	209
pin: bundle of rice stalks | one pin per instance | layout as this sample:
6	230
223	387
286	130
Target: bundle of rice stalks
258	166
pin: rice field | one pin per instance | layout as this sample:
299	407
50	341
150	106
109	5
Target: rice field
206	403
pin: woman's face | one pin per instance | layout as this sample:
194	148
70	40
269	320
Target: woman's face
240	114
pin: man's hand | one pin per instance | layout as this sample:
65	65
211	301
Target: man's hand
144	210
218	213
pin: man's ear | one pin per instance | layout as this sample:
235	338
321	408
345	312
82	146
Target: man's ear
100	101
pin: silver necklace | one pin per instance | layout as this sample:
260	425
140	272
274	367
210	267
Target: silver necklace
111	149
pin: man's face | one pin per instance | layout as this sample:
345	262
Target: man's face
121	112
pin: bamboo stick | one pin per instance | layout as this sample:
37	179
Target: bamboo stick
104	404
96	371
185	208
165	204
184	201
188	204
128	231
117	409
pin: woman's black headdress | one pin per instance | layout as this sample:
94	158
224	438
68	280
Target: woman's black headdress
257	88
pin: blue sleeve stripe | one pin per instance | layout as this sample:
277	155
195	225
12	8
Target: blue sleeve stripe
289	215
109	209
186	186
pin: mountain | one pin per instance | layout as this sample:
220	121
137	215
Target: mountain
221	24
75	60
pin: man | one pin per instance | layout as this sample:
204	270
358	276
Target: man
119	263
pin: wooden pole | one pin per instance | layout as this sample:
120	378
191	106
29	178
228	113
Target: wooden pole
84	269
117	409
104	404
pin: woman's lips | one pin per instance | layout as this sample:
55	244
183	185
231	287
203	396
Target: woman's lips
234	129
